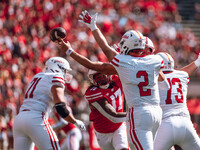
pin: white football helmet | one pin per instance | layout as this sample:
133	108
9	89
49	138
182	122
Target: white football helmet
131	40
59	65
103	81
149	44
168	61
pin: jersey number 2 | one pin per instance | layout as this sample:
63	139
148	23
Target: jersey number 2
29	92
179	90
142	84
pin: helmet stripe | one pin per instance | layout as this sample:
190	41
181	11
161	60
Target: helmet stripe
139	34
167	56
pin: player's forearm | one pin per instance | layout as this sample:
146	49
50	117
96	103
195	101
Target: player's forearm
111	113
189	68
110	110
100	39
97	66
161	76
86	62
102	42
70	118
82	60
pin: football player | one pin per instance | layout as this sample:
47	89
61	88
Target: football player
106	101
45	91
176	127
139	75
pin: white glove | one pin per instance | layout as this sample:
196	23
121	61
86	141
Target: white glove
88	20
80	125
197	61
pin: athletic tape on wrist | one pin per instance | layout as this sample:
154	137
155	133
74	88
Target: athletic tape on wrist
69	51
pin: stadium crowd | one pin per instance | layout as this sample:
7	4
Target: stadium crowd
25	44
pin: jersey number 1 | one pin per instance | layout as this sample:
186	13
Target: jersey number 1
29	92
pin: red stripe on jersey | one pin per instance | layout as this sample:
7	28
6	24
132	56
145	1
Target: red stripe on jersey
54	143
53	81
130	116
117	60
53	134
132	131
166	72
188	80
114	64
94	97
59	78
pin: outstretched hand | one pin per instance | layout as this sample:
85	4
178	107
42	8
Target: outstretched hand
88	20
65	46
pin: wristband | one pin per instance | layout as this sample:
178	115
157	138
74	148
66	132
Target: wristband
197	62
69	51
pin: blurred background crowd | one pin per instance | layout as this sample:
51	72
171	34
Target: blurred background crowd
25	44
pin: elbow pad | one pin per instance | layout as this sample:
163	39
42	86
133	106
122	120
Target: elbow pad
164	85
61	109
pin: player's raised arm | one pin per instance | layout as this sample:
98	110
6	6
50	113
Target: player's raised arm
192	66
104	68
100	39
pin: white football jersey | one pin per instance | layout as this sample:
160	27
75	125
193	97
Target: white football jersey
139	77
38	96
173	101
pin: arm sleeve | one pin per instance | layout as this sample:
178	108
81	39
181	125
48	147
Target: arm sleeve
103	112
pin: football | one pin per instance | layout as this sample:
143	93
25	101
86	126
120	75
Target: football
57	32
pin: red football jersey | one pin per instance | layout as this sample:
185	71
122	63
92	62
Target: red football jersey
114	96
